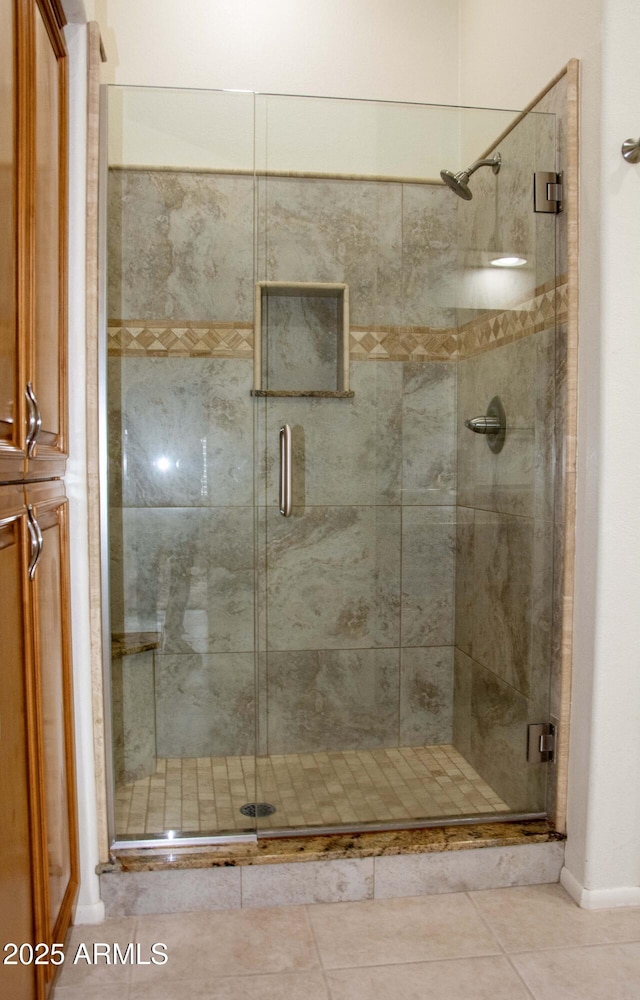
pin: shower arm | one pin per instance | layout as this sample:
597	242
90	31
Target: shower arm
489	161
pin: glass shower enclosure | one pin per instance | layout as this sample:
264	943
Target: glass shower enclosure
331	600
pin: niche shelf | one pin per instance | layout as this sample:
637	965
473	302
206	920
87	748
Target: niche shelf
301	339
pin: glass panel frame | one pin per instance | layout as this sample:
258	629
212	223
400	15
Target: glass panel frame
367	658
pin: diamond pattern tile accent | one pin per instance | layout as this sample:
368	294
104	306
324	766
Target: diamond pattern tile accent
403	344
189	340
547	305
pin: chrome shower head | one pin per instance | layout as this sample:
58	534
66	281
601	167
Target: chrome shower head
459	183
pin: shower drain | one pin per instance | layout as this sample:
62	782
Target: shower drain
257	809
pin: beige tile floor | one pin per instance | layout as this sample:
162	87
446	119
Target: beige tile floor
310	789
497	944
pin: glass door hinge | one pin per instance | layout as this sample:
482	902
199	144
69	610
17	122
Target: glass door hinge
541	743
547	191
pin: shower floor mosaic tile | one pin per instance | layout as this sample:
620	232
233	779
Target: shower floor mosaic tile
205	794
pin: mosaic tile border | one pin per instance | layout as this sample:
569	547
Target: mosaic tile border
153	339
396	343
541	311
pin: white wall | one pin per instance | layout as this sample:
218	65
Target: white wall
510	49
405	50
507	52
603	858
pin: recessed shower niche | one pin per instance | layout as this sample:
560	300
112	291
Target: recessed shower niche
376	658
301	339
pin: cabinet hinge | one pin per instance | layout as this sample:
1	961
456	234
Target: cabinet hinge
541	743
547	191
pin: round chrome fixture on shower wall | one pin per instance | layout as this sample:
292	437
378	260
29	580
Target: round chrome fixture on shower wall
493	424
459	183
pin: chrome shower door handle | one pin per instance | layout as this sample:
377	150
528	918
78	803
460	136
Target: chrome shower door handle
285	470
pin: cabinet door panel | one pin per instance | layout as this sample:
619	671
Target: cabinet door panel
54	669
11	406
49	316
16	870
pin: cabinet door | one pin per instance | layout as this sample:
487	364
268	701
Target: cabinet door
17	868
48	364
51	628
12	404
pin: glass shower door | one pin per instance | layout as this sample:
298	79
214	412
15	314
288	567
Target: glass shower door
331	601
181	472
405	599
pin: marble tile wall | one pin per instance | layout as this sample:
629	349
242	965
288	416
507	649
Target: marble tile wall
133	722
355	638
359	602
506	539
381	239
303	350
180	246
505	567
500	220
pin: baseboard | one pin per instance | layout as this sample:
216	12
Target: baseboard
89	913
599	899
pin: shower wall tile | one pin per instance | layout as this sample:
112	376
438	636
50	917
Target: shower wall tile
501	603
180	432
465	579
491	720
500	219
187	573
180	245
378	238
504	599
335	230
506	481
133	723
559	610
429	433
429	255
345	451
301	348
428	575
462	676
333	578
560	427
426	696
116	571
332	700
205	704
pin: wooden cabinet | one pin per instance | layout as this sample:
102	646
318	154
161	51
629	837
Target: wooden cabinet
38	860
17	869
39	867
48	632
12	408
33	193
